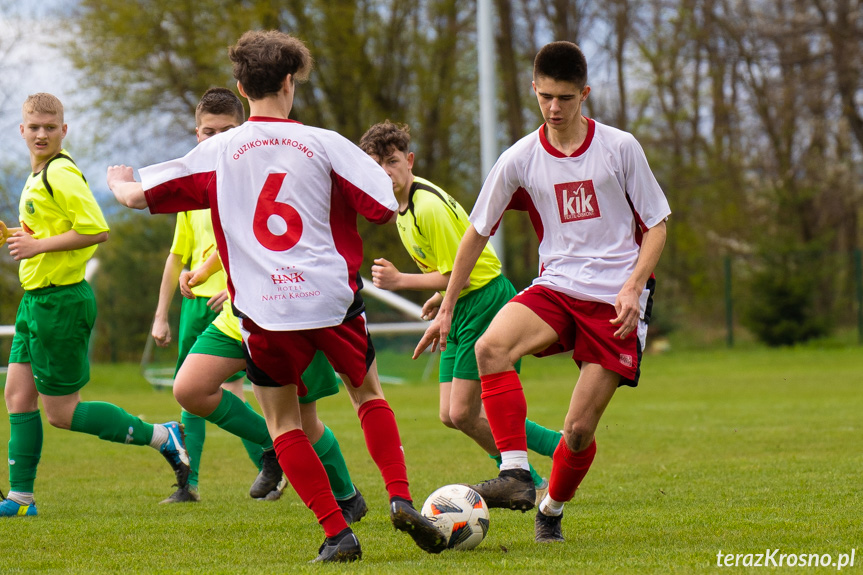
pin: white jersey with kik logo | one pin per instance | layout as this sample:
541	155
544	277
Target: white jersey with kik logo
284	199
589	209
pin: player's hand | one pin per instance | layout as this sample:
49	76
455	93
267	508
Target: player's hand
628	312
430	307
161	332
119	175
23	246
385	275
185	286
436	334
216	302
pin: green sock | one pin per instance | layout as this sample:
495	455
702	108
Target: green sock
238	418
111	423
328	450
254	450
195	429
25	449
541	439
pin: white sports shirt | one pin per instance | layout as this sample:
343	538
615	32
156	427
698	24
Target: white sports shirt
589	209
284	199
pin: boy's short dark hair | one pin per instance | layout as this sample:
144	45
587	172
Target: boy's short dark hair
220	102
561	61
262	59
382	139
43	103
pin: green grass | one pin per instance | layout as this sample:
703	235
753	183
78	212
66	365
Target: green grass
739	451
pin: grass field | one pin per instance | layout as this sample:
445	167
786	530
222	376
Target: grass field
743	452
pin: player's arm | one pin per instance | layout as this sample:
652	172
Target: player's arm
431	306
23	246
627	302
387	276
161	328
199	275
469	250
121	181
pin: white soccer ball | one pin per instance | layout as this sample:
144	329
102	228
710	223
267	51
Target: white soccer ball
460	514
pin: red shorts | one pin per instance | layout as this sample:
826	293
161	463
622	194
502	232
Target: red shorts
583	327
278	358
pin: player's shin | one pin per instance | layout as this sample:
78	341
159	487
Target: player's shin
306	474
382	440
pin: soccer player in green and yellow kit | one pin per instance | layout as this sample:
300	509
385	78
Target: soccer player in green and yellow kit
431	224
219	110
62	224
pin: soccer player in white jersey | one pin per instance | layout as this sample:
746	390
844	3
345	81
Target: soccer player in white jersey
600	216
284	199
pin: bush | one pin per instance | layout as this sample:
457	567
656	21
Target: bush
782	306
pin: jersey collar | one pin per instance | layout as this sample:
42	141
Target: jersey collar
591	129
268	119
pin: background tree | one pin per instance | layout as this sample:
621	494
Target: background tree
748	111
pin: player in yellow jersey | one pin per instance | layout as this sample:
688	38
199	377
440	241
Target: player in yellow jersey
62	224
431	224
218	111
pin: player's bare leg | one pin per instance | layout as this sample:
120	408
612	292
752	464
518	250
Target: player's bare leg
302	466
198	385
200	389
574	455
516	331
382	440
466	413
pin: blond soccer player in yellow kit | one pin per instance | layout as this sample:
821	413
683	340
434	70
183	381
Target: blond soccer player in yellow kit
62	224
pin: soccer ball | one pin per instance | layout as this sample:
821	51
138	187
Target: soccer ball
460	514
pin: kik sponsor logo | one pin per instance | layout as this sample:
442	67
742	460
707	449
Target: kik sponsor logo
576	201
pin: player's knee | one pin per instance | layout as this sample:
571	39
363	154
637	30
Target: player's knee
447	420
491	354
188	398
578	436
181	393
58	419
462	417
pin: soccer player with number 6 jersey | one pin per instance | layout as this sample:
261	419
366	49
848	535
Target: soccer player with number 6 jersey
600	216
285	200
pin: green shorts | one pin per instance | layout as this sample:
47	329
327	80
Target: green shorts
52	334
471	317
195	316
319	377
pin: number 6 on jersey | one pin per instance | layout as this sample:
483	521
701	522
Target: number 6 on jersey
268	207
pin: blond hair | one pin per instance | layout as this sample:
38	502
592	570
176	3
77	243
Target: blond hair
43	103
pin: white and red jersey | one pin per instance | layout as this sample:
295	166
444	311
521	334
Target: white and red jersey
589	209
284	199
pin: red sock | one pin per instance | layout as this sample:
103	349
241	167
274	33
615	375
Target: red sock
506	410
385	447
568	469
306	473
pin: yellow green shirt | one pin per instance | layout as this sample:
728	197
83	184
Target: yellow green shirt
431	228
194	241
227	323
71	206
